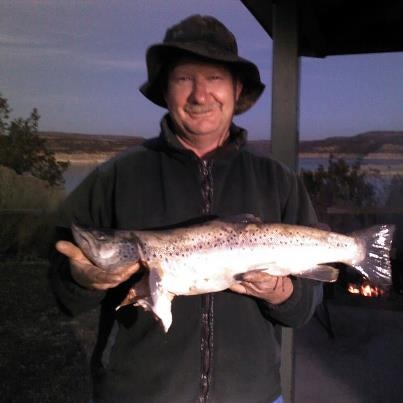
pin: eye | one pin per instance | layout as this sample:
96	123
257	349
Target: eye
100	236
183	78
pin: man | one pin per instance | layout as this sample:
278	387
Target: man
222	346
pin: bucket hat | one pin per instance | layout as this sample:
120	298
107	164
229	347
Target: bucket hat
207	38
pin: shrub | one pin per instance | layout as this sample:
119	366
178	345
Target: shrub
340	184
27	214
22	150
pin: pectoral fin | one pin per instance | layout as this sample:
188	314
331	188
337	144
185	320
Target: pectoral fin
321	273
138	292
161	298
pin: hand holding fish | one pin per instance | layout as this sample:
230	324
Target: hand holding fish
90	276
272	289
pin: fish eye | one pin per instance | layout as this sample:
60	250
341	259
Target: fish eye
100	236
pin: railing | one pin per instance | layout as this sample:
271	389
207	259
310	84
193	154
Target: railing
364	210
21	211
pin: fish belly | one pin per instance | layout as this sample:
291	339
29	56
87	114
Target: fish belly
217	269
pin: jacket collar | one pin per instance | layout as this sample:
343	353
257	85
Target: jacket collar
169	141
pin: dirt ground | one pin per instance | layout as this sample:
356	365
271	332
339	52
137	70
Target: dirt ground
43	353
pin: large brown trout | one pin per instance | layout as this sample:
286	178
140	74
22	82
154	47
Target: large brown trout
210	257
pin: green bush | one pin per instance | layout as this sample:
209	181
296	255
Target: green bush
22	150
339	185
27	213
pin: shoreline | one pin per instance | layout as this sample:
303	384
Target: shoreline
371	156
81	164
84	158
93	158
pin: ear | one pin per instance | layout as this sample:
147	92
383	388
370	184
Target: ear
238	88
165	94
164	90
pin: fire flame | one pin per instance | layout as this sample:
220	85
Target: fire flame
365	289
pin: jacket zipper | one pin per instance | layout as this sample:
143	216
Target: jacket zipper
207	304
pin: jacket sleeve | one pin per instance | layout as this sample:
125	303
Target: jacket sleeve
307	294
73	299
87	205
299	308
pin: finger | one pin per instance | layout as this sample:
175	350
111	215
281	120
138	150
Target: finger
102	286
256	275
123	275
120	274
259	287
247	289
262	279
253	288
114	278
92	277
238	288
129	270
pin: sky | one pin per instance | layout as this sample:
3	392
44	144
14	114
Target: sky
80	63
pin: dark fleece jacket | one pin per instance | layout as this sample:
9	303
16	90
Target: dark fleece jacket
160	184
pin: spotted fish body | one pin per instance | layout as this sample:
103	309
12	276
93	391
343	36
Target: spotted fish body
209	257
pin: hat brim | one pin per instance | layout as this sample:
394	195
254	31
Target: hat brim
157	55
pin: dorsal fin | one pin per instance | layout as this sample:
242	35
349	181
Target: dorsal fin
246	218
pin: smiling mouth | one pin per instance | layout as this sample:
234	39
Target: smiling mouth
200	110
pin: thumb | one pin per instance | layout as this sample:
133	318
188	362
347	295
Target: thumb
70	250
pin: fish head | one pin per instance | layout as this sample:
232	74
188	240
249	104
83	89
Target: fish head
108	249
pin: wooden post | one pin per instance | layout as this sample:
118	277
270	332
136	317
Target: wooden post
285	136
285	83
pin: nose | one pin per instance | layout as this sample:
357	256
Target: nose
199	92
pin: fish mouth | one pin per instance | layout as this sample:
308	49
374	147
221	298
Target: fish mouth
82	238
98	251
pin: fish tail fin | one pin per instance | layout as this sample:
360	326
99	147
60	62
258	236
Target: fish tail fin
375	263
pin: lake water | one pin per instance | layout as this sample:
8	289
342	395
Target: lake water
76	173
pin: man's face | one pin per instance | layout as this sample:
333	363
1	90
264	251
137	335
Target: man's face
201	98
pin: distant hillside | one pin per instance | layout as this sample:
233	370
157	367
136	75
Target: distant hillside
86	148
361	144
388	143
60	142
78	147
